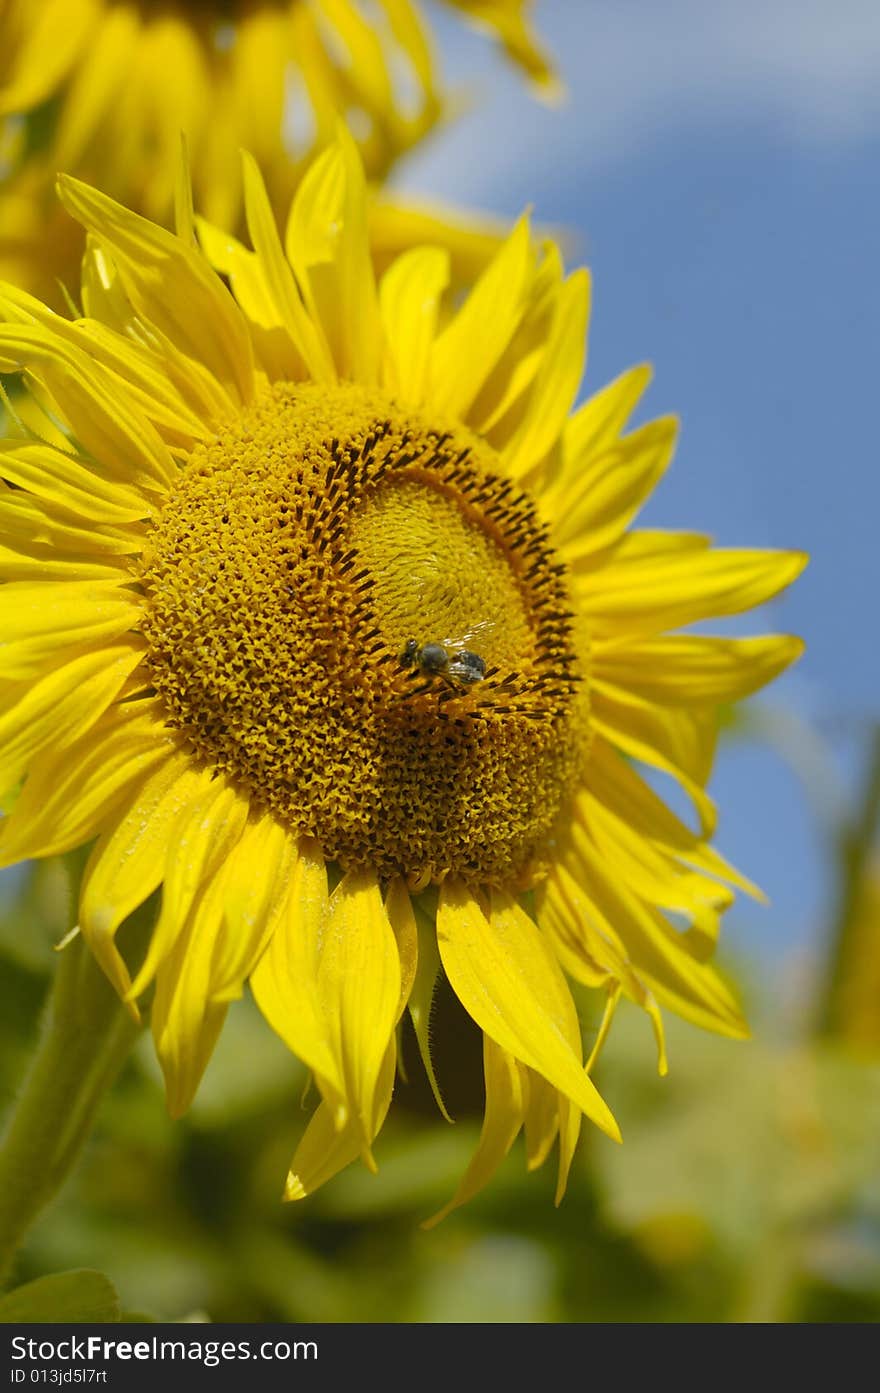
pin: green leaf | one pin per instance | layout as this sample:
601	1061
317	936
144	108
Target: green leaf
81	1297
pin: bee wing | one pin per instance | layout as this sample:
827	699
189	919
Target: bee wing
471	638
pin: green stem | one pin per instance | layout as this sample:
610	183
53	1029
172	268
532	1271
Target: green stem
87	1034
857	843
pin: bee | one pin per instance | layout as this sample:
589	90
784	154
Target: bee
456	667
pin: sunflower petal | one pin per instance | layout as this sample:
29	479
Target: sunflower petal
409	298
171	284
540	1117
328	250
471	344
502	1120
255	890
65	799
128	860
61	705
690	669
670	591
505	975
101	415
184	1019
206	832
597	500
69	484
278	284
359	989
326	1148
558	379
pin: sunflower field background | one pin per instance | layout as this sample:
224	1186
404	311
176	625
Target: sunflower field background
715	166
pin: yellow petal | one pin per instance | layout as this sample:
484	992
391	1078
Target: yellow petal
689	669
50	43
680	742
61	705
99	412
184	1019
328	250
26	519
557	381
69	484
278	283
206	832
398	907
359	990
598	498
469	347
656	877
66	796
421	1001
325	1148
39	561
40	623
130	366
409	298
502	1120
128	860
172	285
506	976
669	591
656	950
540	1117
624	793
255	890
284	980
596	425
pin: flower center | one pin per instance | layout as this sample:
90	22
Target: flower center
359	619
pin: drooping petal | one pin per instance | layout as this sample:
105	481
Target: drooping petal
329	983
207	830
326	1148
255	889
128	860
505	975
540	1117
185	1020
502	1120
359	991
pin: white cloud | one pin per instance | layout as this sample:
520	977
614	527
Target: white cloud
640	70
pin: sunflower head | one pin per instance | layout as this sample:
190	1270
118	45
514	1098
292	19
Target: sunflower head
323	611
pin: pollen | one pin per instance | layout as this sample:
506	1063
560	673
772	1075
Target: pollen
358	617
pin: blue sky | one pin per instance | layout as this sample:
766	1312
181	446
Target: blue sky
717	164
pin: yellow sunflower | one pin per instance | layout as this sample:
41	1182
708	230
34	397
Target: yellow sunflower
111	84
323	614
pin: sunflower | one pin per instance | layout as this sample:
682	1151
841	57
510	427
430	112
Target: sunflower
323	613
109	87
